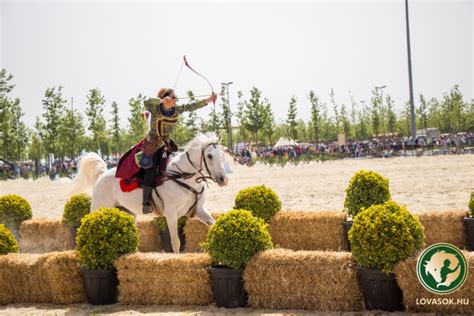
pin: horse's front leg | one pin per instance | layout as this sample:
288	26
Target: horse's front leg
203	214
172	222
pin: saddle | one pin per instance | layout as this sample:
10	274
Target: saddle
131	174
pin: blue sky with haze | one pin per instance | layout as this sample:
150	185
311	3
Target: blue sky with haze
283	48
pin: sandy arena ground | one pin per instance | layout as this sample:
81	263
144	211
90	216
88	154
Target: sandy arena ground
421	183
425	183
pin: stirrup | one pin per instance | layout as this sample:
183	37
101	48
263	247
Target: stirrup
147	208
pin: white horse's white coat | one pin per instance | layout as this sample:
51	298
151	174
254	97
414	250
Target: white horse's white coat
176	199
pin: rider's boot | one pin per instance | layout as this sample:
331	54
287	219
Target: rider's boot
147	200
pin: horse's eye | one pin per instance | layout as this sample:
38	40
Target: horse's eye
209	156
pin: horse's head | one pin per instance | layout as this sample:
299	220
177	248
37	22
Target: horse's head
208	154
213	156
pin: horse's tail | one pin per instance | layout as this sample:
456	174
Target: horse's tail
90	168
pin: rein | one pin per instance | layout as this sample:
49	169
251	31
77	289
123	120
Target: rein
176	175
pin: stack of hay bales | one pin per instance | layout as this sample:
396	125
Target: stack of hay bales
45	235
308	230
313	280
164	279
48	278
149	239
445	227
412	289
196	233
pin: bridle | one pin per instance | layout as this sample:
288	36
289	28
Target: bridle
175	176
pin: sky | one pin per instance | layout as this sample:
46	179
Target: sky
282	48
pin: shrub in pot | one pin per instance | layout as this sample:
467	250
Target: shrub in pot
231	242
365	189
165	233
8	243
75	209
13	210
469	222
381	236
104	236
262	201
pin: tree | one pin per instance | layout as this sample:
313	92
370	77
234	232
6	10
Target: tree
315	115
53	105
363	122
72	133
19	131
241	119
391	116
346	124
97	126
375	112
422	112
269	119
226	117
13	132
455	110
354	115
117	141
137	124
336	111
254	113
291	119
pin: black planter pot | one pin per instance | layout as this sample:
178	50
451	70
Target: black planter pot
347	226
469	222
380	290
166	239
100	286
228	287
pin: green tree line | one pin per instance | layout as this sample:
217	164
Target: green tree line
63	131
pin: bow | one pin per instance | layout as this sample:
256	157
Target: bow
185	62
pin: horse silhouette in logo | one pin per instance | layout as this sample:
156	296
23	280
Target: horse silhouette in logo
443	267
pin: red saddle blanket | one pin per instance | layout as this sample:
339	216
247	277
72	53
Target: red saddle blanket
131	174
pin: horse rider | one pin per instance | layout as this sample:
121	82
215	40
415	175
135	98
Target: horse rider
158	144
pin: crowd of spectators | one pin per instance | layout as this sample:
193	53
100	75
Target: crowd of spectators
377	147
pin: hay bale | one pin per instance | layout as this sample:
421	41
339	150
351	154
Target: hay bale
315	280
195	232
308	230
412	289
62	271
149	235
45	235
164	279
45	278
444	226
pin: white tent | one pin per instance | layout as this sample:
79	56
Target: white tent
283	141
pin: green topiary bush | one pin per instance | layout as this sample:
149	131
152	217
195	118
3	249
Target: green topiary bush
8	243
235	238
366	188
471	205
382	235
163	225
104	236
14	209
260	200
75	209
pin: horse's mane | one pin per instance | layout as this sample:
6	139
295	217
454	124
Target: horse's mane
201	141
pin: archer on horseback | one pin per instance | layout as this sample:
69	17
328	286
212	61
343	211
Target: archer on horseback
151	154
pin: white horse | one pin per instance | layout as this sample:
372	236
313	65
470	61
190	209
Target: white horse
182	192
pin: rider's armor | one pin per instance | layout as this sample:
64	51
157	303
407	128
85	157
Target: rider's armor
161	125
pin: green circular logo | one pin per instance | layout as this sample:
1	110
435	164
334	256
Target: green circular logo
442	268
